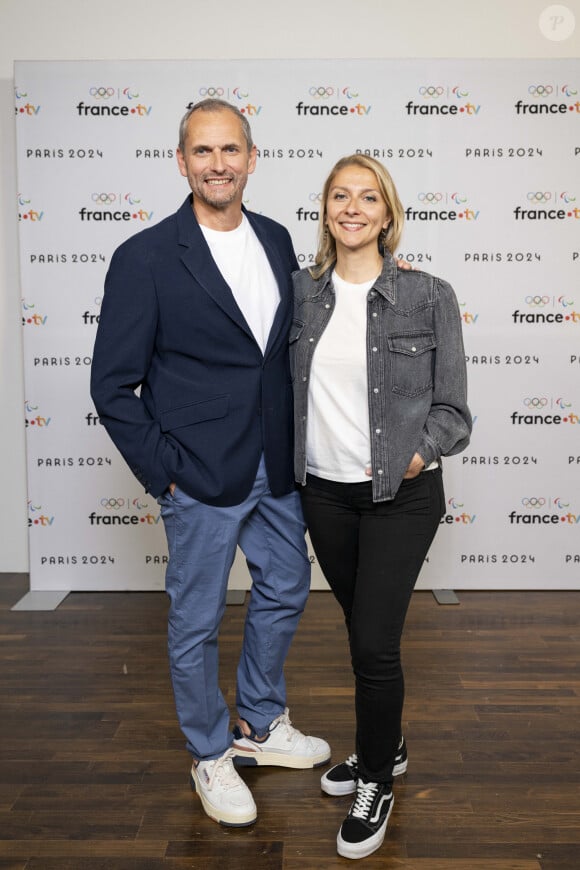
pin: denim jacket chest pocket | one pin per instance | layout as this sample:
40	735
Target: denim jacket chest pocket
412	358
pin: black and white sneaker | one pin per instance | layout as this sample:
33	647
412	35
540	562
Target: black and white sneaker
341	779
363	830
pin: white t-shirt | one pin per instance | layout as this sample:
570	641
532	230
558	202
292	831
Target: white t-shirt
245	267
338	429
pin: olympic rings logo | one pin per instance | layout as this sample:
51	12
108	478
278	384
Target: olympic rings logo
112	504
211	92
539	196
540	90
431	91
315	197
104	198
321	92
537	301
430	197
536	402
101	93
98	300
533	502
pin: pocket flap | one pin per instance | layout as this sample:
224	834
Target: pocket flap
412	343
296	330
197	412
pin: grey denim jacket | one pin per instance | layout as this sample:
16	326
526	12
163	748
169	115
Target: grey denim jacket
417	379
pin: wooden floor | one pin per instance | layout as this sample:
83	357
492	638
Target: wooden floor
94	776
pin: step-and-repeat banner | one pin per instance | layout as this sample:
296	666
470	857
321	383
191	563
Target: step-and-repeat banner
486	157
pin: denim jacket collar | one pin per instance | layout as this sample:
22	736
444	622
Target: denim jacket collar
386	283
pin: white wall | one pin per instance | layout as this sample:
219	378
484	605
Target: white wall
138	29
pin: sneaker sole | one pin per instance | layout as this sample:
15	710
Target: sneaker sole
367	847
250	758
229	820
339	789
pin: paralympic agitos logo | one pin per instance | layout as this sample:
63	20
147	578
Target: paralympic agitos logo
330	101
443	100
109	101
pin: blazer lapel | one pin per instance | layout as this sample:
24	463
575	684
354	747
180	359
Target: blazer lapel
282	279
198	260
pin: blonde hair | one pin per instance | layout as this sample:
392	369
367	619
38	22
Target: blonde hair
388	239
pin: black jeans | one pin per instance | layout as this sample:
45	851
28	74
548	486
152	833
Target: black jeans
371	554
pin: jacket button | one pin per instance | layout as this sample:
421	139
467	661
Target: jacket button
380	471
413	349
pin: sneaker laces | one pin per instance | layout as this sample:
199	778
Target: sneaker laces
283	721
352	762
223	771
365	795
291	733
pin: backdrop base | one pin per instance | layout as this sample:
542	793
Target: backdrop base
445	596
44	599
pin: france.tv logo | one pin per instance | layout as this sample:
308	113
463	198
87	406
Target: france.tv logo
438	205
33	418
542	205
112	101
111	206
437	99
545	308
26	210
541	410
332	101
32	317
543	511
23	105
456	514
37	517
549	99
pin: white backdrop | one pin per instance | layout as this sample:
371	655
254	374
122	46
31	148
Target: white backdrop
485	155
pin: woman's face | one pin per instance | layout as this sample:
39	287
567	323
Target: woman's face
355	210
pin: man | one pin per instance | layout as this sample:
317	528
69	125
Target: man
196	313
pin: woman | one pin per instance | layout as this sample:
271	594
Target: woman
380	396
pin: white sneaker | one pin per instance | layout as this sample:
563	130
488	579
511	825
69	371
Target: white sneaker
283	746
224	795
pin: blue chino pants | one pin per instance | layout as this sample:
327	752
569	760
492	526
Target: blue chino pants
202	542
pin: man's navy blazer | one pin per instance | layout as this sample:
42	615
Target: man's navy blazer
210	402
